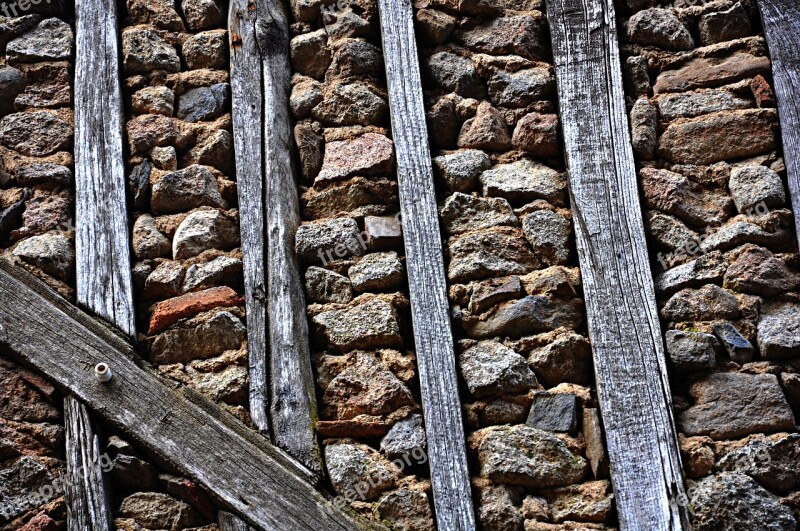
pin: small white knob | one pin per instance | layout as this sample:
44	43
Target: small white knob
103	372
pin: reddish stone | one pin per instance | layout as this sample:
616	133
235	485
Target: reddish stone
40	522
169	312
762	92
188	491
369	154
351	428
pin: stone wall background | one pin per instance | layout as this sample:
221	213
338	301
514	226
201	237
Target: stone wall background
725	259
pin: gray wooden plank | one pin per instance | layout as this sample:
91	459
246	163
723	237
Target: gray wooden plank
229	522
260	34
173	424
781	19
87	506
293	399
248	146
424	262
630	367
102	246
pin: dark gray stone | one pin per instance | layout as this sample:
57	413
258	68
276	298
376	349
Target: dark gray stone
51	40
691	351
44	173
204	103
779	331
139	185
449	72
554	412
12	84
406	441
772	463
739	349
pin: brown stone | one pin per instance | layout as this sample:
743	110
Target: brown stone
711	72
537	134
487	130
171	311
369	154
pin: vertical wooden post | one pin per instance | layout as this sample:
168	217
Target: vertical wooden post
426	278
630	366
781	19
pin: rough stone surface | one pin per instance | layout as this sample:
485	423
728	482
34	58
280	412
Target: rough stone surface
351	104
207	335
460	170
567	357
202	14
359	471
772	463
406	440
779	330
169	312
327	240
556	412
489	368
364	325
52	253
406	510
144	51
155	510
751	185
705	304
491	252
659	27
51	40
528	315
756	270
203	103
203	230
184	190
452	73
691	351
524	180
516	34
36	133
377	272
721	26
324	286
369	154
487	130
549	233
461	213
739	349
148	242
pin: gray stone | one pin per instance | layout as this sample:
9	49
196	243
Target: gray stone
522	88
751	185
148	242
229	385
406	440
36	134
12	84
184	190
691	104
548	232
732	405
12	27
658	27
154	510
490	369
459	170
670	233
305	96
383	232
587	502
358	472
637	79
406	510
310	53
722	26
206	50
139	185
556	412
329	240
487	293
521	34
525	180
325	286
489	253
739	349
497	508
643	129
461	213
434	27
204	103
772	463
21	478
366	324
143	51
356	58
131	474
51	40
705	304
449	72
732	501
165	281
202	14
52	253
766	230
204	230
346	23
221	271
204	336
779	330
352	103
367	155
164	158
377	272
691	351
44	173
707	269
525	316
520	455
486	130
567	358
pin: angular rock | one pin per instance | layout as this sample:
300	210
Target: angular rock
148	242
673	193
537	134
36	134
529	315
751	185
461	213
364	325
711	72
369	154
139	185
358	472
150	130
595	443
42	214
222	270
443	123
488	253
406	440
691	351
202	14
52	253
346	23
692	104
566	358
319	241
739	349
12	84
383	232
203	230
731	501
206	50
310	53
50	40
588	502
153	100
158	13
351	104
670	233
767	230
155	510
434	27
204	103
524	180
406	510
131	474
707	269
460	169
705	304
756	270
164	282
493	291
772	463
722	26
169	312
658	27
325	286
489	368
643	129
309	150
519	455
184	190
449	72
554	412
207	335
496	508
522	88
732	405
487	130
522	35
779	330
143	51
305	96
549	233
377	272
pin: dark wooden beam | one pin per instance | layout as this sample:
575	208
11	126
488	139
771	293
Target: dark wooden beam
172	423
781	19
630	367
87	506
260	45
430	311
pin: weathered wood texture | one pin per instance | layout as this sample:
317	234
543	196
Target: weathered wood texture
102	246
173	424
248	145
87	505
630	366
262	27
229	522
781	20
426	278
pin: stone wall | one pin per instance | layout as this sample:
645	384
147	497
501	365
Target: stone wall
725	259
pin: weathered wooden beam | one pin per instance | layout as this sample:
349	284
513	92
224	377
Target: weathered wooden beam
426	278
229	522
630	367
260	34
102	246
87	506
781	20
248	146
174	424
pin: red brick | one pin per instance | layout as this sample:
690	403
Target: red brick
169	312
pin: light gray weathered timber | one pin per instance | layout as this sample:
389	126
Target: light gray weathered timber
171	423
87	505
781	20
426	278
229	522
632	384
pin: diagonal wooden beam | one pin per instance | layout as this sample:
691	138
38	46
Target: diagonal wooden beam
260	76
781	20
430	311
176	425
630	367
229	522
